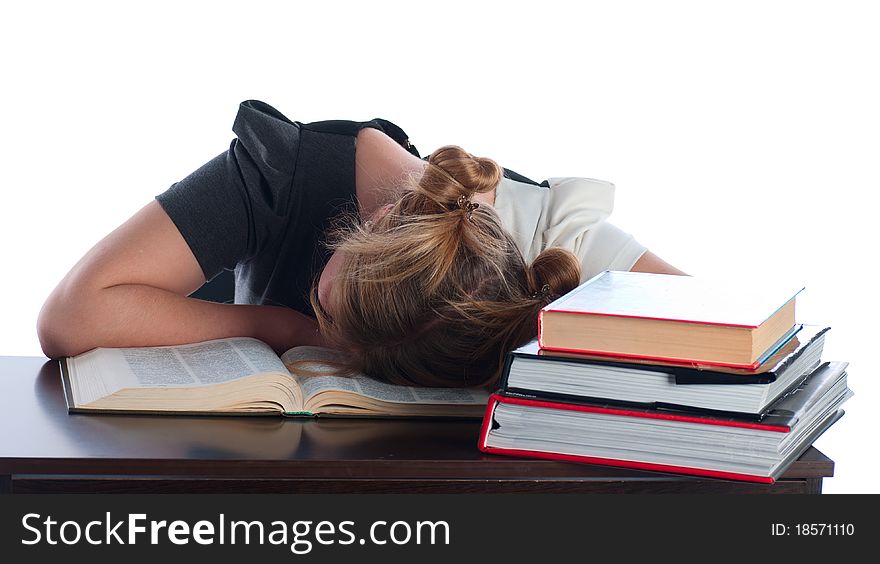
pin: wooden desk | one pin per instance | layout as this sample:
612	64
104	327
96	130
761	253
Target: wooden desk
44	449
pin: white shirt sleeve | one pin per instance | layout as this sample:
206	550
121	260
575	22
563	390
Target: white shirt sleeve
571	214
607	247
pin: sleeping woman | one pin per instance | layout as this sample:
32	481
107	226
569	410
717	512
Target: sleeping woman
419	271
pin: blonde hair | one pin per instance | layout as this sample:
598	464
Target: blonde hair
436	292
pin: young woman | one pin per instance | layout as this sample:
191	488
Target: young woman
340	235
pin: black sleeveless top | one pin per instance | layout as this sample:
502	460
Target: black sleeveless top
264	206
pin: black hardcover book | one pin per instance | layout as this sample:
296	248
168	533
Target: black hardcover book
533	372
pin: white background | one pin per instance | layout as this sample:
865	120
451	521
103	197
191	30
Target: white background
743	137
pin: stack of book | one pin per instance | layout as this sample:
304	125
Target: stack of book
668	373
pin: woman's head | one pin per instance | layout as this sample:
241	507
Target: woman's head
435	292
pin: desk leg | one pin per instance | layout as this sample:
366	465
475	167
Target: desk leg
5	483
814	485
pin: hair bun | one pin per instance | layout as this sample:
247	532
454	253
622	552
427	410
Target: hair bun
453	172
555	272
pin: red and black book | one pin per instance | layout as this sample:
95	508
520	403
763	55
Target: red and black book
695	443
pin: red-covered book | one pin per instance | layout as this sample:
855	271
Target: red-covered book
696	443
667	318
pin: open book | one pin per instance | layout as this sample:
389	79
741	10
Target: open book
244	376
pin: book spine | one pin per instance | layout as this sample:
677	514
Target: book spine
488	418
540	329
505	370
66	385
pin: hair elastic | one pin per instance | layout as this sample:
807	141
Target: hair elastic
465	204
543	293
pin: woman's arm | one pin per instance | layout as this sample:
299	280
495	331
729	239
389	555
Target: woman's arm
649	262
131	290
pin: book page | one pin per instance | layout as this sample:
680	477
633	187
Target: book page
103	371
205	363
157	367
370	387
